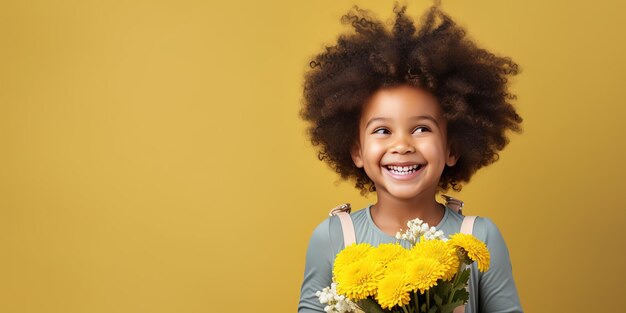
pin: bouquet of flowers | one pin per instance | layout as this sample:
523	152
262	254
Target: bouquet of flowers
429	277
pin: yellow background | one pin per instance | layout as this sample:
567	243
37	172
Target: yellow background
152	158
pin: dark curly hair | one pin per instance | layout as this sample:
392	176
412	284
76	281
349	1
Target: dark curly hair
470	84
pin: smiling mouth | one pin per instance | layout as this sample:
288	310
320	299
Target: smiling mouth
404	170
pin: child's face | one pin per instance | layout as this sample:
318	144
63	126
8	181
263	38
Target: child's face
402	143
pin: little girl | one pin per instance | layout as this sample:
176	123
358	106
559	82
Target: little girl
408	113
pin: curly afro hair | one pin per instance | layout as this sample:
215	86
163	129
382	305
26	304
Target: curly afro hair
470	84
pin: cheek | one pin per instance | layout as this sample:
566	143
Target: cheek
432	150
374	151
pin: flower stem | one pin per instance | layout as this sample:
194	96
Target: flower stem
417	302
404	309
456	281
427	300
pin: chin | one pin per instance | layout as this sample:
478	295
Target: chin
404	195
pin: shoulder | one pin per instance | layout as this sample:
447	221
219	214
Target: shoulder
320	256
488	232
498	292
329	232
327	235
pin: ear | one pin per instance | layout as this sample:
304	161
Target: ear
452	157
355	152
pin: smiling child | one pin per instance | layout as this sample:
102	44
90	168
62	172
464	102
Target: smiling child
407	114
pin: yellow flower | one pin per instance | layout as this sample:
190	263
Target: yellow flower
442	252
359	279
350	255
475	249
423	272
388	252
395	288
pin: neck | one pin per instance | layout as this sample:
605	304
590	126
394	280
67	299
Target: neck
392	213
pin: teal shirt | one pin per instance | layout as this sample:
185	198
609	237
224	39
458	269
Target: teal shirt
492	291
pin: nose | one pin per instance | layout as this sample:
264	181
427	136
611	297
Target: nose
402	144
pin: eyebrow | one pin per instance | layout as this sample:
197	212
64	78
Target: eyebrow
420	117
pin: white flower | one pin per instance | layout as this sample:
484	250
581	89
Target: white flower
417	229
336	303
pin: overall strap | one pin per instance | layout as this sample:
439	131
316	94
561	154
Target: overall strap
343	212
467	227
455	204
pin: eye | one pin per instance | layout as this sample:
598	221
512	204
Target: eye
381	130
421	129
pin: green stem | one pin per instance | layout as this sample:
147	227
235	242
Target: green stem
417	302
427	300
456	281
404	309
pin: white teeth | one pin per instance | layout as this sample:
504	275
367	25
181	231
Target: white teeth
403	170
